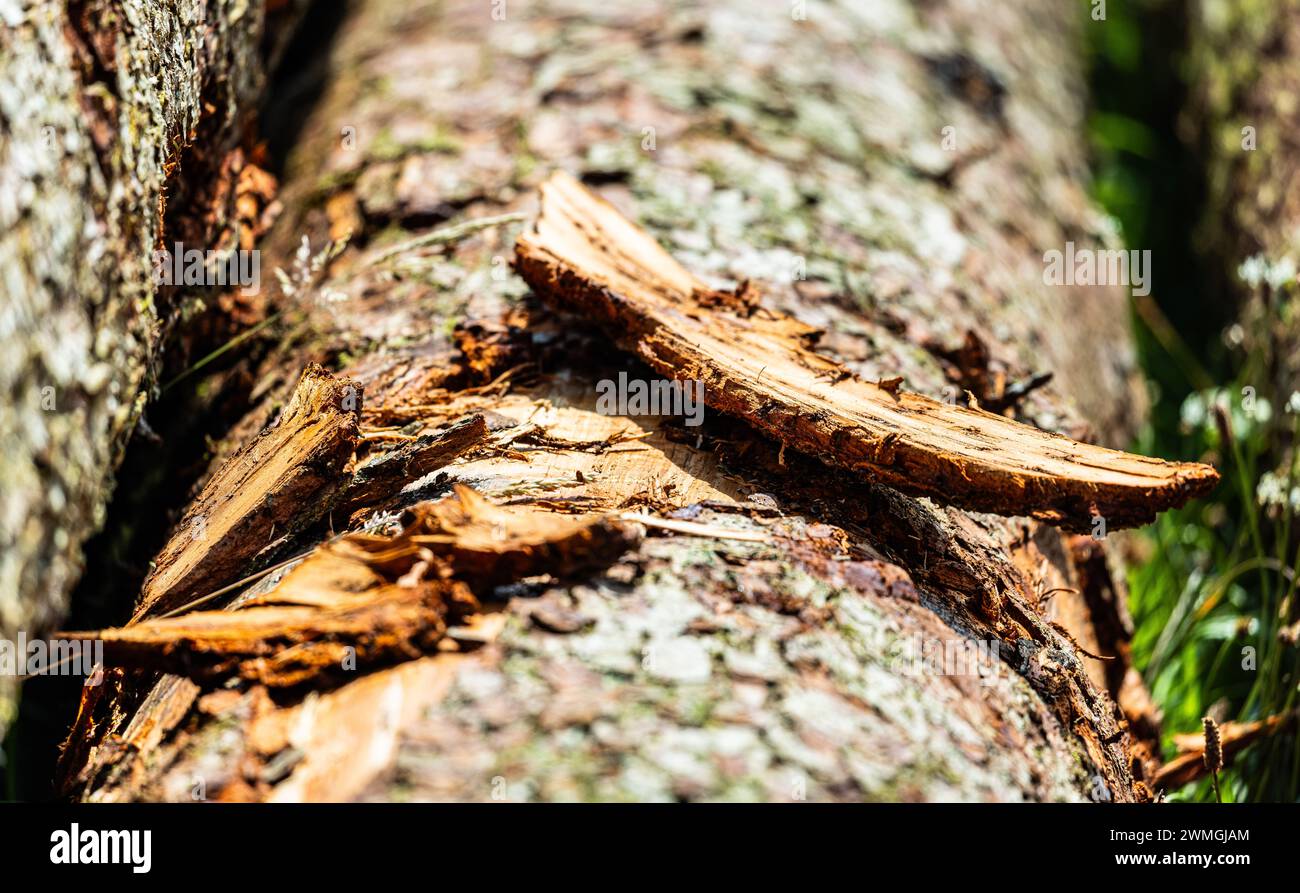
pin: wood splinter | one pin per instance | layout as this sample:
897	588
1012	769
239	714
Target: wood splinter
586	258
284	646
384	476
489	544
370	599
287	479
282	481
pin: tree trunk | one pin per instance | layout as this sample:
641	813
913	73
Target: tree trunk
1243	77
677	611
120	131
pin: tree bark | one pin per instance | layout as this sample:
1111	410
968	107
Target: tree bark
758	642
120	130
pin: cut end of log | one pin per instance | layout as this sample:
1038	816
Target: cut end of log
585	258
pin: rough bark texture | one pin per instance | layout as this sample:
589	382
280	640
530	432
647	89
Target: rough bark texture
105	109
760	648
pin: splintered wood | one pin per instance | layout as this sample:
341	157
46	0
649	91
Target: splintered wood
384	476
343	608
286	646
490	544
368	599
269	490
585	258
287	479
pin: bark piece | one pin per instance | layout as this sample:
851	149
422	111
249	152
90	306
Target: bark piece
281	482
328	609
586	258
488	544
121	753
384	600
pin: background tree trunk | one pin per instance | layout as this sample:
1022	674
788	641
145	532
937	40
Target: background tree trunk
120	131
808	149
1243	83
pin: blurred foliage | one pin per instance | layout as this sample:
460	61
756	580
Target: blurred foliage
1213	581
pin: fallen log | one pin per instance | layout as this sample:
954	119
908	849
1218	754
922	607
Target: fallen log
786	629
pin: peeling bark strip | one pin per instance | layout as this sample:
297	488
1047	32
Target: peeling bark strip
584	257
277	485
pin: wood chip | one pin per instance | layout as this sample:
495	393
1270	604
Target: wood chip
283	646
488	544
343	608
